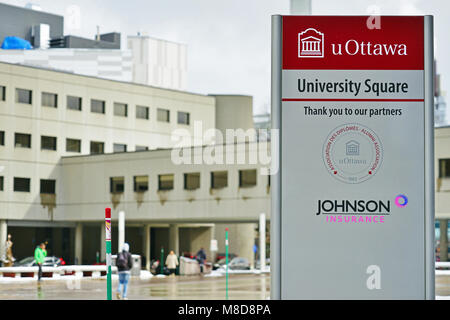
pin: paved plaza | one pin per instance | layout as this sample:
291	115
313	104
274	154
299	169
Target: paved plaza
244	287
241	287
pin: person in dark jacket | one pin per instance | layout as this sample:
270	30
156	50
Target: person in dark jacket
124	263
201	257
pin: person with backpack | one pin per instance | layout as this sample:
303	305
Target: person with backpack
124	263
201	257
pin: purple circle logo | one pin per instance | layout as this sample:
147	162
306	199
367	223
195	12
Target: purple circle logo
401	201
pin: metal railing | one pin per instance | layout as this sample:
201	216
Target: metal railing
57	272
442	268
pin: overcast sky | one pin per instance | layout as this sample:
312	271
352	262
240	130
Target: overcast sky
229	40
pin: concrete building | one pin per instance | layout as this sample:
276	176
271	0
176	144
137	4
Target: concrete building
101	41
262	123
158	62
99	57
234	112
147	60
108	64
442	187
177	207
69	148
24	22
44	30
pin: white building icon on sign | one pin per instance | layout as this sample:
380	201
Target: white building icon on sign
352	148
310	44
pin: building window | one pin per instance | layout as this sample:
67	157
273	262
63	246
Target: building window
140	183
23	96
192	181
74	103
97	106
142	112
219	179
22	184
2	138
165	182
22	140
141	148
73	145
120	109
183	117
247	178
97	147
163	115
2	93
49	100
1	183
118	147
444	168
48	143
117	184
48	186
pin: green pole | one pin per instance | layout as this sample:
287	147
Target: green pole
108	253
108	280
226	263
162	261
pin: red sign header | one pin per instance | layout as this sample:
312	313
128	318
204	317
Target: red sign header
347	43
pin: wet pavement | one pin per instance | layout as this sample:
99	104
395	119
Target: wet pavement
243	287
442	286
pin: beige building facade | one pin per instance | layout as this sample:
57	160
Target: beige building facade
442	187
63	136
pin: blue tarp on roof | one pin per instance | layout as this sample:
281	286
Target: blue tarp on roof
16	43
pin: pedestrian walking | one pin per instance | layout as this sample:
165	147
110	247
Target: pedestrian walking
172	262
9	261
124	263
39	256
201	257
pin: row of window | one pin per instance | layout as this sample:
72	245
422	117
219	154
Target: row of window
219	180
23	140
47	186
48	99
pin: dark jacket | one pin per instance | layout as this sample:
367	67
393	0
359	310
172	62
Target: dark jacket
129	260
201	256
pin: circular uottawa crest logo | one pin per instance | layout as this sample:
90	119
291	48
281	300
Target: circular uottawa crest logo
352	153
